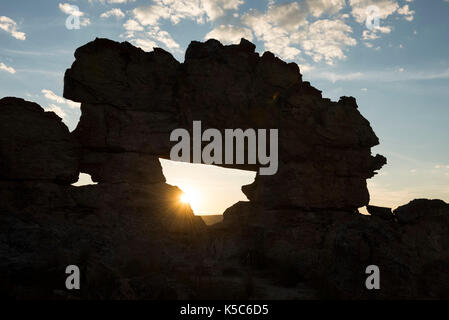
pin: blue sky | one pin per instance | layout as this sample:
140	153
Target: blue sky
398	71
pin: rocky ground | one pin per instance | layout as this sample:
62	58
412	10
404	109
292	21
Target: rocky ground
299	237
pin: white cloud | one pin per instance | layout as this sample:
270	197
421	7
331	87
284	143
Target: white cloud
369	35
229	34
359	8
326	39
145	44
319	7
384	76
112	1
285	28
406	12
383	10
217	8
442	166
10	26
56	109
317	28
73	10
50	95
84	22
163	37
305	68
132	25
150	15
113	13
334	77
69	9
177	10
144	27
276	27
4	67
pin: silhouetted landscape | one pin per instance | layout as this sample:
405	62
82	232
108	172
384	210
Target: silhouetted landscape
300	235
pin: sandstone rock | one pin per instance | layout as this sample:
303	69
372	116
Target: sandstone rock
380	212
121	75
130	223
131	100
419	208
35	145
299	236
130	167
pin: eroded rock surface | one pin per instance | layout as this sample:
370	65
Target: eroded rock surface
129	226
132	100
299	237
35	145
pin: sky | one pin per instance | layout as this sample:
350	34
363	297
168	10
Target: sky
391	55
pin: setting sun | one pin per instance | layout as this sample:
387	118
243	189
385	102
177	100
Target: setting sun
185	198
190	196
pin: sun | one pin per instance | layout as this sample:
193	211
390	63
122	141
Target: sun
185	198
189	196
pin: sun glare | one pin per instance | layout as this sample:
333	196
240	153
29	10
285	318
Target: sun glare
185	198
189	196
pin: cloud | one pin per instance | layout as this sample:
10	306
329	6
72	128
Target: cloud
112	1
132	25
285	28
73	10
147	40
113	13
229	34
385	8
383	76
69	9
316	28
382	9
326	40
214	9
4	67
144	26
145	44
406	12
305	68
320	7
334	77
50	95
442	166
276	26
10	26
56	109
163	37
177	10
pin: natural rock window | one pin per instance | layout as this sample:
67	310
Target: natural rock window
210	190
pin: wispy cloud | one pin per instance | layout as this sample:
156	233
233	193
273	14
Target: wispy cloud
382	76
229	34
113	13
144	27
56	109
9	25
4	67
73	10
50	95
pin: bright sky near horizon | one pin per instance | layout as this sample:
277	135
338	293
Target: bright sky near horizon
399	72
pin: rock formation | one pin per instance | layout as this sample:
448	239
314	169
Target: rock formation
299	237
132	100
